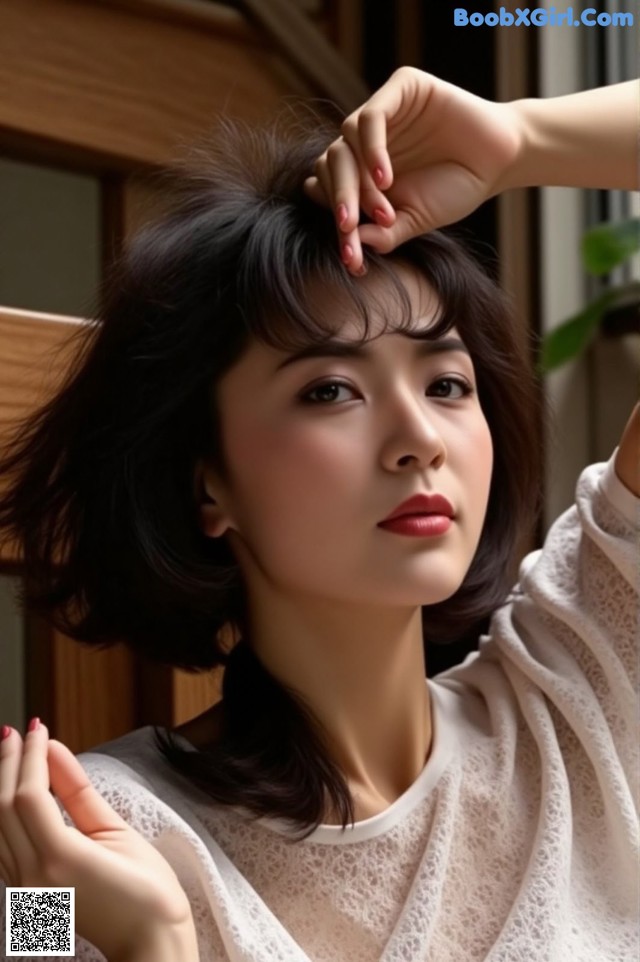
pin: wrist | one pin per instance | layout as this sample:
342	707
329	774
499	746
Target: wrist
517	172
546	155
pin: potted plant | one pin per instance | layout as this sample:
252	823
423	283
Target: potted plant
614	312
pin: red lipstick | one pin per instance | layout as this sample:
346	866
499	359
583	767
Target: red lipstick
420	516
422	504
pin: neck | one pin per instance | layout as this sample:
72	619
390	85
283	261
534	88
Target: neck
362	673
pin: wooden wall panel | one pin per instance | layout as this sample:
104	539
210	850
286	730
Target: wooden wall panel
84	696
118	87
192	694
166	696
94	692
33	360
110	86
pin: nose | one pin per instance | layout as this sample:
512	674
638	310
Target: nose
412	439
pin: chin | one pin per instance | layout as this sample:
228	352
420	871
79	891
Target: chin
425	588
419	597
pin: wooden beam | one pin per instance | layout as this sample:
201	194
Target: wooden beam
306	47
409	33
517	227
110	87
349	32
518	214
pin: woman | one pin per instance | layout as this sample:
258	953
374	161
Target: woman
340	467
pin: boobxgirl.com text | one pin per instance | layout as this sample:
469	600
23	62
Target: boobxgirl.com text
542	17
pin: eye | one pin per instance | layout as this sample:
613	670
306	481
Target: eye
444	386
326	393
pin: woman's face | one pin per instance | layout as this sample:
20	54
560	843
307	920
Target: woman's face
321	449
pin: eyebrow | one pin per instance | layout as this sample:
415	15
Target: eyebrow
345	349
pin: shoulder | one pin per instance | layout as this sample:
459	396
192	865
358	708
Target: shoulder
120	766
134	777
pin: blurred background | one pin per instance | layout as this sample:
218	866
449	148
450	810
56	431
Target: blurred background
97	94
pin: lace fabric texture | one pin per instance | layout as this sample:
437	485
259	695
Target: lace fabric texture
518	841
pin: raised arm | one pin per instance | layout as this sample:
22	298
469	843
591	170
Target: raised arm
627	462
588	139
422	153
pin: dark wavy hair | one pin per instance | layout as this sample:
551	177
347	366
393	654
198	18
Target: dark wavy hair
100	480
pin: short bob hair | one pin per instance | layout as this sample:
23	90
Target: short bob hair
102	495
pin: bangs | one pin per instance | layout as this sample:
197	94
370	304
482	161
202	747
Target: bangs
287	276
267	258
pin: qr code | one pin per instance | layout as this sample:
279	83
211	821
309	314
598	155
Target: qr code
40	921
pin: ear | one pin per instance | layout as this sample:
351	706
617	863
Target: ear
211	499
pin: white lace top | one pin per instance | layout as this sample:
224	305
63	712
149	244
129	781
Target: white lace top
518	841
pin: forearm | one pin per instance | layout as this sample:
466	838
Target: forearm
587	139
173	944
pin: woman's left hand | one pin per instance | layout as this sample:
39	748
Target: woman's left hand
439	151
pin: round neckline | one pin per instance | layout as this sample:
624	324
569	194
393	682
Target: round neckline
443	703
441	750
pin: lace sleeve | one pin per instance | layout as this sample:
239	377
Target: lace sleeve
571	626
585	584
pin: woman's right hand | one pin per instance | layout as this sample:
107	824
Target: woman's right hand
440	150
125	891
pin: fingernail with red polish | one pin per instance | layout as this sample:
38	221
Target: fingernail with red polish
6	731
380	215
378	174
34	725
343	213
347	253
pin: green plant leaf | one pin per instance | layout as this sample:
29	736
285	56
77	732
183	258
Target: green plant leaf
570	338
607	245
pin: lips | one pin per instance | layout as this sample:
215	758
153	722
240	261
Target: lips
422	504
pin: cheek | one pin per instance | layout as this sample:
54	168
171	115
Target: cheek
478	453
278	469
485	451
